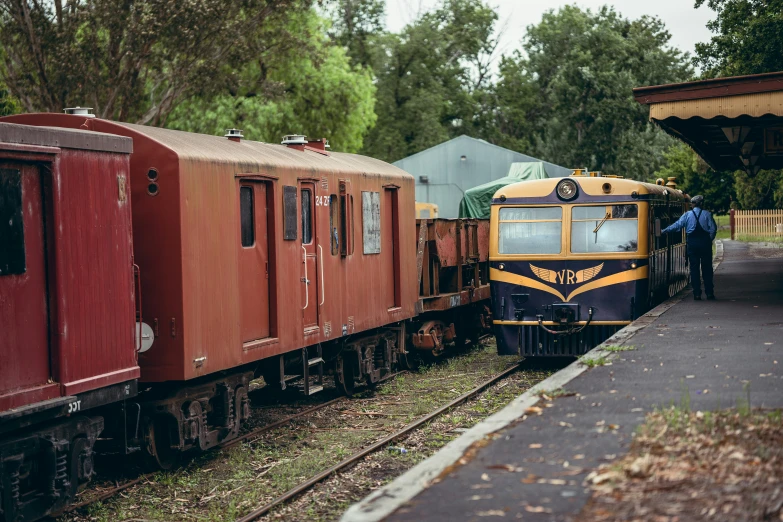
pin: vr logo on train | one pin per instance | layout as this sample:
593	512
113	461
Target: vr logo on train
566	276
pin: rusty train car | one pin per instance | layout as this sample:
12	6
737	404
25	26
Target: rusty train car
185	266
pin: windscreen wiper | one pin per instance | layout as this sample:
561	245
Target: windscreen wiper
598	227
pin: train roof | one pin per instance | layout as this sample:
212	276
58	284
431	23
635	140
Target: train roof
64	138
218	149
591	186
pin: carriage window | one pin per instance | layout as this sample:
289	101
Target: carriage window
289	213
604	228
12	254
529	230
307	217
346	221
334	221
246	216
371	222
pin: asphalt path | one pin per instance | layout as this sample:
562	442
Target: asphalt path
705	354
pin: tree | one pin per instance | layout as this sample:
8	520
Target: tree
695	177
317	93
8	105
764	190
357	24
429	78
134	60
575	76
748	39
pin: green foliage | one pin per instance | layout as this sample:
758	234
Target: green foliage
317	93
748	40
357	25
135	60
573	83
429	77
764	190
694	177
8	104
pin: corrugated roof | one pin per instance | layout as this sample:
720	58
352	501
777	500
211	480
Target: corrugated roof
219	149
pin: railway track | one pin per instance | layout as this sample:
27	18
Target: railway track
256	433
247	437
250	436
312	481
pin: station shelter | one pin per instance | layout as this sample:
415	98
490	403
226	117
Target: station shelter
733	123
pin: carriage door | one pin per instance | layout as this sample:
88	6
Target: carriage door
390	262
254	261
23	299
311	263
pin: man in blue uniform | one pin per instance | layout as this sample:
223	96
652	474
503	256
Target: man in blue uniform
700	228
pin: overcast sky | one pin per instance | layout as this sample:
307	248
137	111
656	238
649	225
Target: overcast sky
686	24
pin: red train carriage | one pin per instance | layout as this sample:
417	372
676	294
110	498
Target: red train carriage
66	308
286	261
250	252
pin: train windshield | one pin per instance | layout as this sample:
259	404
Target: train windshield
604	228
529	230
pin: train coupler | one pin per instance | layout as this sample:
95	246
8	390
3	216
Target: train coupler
433	335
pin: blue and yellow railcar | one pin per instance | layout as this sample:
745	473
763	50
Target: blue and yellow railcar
573	260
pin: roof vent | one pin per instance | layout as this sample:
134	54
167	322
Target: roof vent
294	139
233	134
326	144
79	111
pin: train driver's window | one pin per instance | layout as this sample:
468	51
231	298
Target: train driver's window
334	221
529	230
246	216
604	228
307	217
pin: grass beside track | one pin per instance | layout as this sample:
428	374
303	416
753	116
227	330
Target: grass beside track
228	484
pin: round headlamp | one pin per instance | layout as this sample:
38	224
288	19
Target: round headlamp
567	189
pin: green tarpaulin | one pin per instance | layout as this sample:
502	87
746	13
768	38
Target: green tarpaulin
476	202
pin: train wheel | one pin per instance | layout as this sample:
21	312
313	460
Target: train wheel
346	377
159	452
82	465
410	361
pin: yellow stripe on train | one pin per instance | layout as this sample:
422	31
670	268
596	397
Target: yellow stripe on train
614	279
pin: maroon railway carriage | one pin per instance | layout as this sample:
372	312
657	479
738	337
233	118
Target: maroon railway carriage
66	308
254	259
255	252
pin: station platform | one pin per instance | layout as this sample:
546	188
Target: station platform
712	352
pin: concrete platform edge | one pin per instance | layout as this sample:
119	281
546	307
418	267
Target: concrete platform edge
384	501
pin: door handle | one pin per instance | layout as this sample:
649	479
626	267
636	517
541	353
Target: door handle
305	280
323	297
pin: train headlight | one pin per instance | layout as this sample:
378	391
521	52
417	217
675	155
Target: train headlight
567	189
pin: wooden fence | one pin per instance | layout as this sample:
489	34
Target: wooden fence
760	223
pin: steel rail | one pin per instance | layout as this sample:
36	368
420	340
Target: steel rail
228	444
304	486
225	445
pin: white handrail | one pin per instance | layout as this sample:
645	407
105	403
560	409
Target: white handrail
306	281
323	296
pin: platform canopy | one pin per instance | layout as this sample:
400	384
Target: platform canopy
733	123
